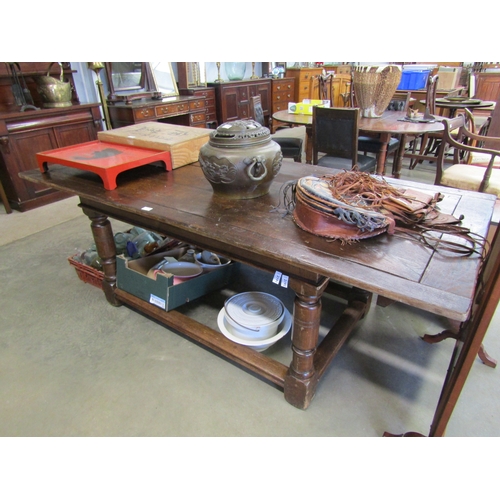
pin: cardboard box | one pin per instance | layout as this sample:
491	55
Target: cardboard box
325	103
131	276
184	143
449	77
303	108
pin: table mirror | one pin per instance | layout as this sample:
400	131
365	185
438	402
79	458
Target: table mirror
164	79
136	80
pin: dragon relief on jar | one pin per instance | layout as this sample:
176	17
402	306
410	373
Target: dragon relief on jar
277	163
218	170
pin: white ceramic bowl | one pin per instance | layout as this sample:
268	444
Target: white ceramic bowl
257	345
182	271
253	315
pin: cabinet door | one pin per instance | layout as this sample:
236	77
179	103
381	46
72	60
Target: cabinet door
229	106
265	96
243	93
22	156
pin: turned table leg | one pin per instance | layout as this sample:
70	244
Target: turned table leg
382	154
301	379
105	243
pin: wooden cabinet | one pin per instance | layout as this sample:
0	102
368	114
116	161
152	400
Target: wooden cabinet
306	82
282	92
187	110
233	98
23	134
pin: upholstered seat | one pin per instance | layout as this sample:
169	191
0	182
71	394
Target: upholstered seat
483	178
469	177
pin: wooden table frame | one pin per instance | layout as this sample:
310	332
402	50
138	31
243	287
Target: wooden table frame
181	204
384	128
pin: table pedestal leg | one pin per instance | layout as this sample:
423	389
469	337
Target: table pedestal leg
398	158
301	379
382	154
309	145
105	244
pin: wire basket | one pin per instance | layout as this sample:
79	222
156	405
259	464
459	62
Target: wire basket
86	273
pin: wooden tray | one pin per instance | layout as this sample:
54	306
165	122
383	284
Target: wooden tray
105	159
183	142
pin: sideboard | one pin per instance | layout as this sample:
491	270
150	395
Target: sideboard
23	134
233	98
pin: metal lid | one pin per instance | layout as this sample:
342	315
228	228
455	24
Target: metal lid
240	133
254	309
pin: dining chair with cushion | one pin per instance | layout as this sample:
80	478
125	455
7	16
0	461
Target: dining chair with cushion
335	134
291	147
483	177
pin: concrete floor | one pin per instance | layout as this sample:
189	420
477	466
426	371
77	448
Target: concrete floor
72	365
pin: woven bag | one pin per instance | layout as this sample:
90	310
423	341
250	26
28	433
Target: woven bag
374	87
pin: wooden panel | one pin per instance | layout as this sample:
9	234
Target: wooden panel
487	86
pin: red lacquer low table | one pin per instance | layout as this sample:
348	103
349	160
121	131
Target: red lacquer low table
105	159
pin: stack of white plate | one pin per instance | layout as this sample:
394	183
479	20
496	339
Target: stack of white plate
255	319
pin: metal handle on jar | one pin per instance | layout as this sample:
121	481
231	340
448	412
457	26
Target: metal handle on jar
260	163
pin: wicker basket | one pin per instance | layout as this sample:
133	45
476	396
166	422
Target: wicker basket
374	87
86	273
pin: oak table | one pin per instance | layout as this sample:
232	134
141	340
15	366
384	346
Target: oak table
391	123
181	204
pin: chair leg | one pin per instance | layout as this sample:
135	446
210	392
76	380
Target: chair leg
423	144
4	199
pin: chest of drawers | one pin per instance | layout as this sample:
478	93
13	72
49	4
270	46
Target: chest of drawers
283	92
208	96
306	82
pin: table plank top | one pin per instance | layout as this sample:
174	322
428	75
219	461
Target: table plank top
181	203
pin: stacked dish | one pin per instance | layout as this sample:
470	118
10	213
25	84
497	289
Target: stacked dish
255	319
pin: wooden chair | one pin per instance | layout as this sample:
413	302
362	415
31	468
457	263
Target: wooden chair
429	141
291	147
483	177
325	88
335	133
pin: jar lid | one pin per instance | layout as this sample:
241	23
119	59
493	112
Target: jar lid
254	309
240	133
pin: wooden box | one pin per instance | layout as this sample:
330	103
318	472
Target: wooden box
183	142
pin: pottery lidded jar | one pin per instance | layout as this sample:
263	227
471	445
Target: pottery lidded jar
240	160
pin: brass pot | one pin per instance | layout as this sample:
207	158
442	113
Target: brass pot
240	160
55	92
